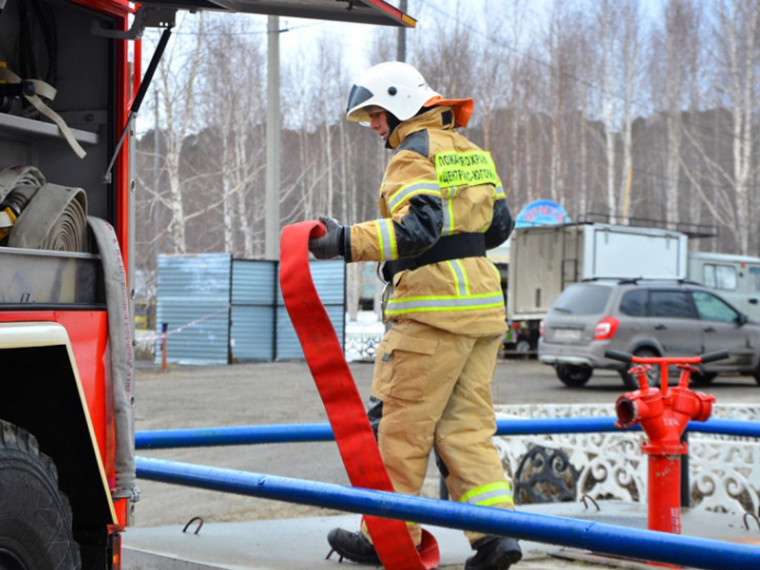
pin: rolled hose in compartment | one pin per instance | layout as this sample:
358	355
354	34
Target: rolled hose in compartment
49	216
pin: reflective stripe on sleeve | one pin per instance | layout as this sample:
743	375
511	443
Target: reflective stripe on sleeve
498	192
386	239
490	494
406	192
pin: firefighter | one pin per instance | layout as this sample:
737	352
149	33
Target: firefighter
442	207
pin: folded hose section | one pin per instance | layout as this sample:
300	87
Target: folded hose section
345	410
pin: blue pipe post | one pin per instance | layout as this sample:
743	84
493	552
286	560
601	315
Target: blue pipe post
598	537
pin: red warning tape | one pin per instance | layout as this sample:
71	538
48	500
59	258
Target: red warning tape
343	404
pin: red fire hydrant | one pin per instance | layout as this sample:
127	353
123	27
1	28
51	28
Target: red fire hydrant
663	415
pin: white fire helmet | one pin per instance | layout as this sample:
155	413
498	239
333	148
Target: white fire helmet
394	86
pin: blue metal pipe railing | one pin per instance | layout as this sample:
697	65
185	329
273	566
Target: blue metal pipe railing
289	433
727	427
233	435
594	536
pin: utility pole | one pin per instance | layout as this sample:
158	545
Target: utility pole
272	200
401	38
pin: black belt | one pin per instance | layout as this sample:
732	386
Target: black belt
455	246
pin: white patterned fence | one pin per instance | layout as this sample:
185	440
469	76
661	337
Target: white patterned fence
724	471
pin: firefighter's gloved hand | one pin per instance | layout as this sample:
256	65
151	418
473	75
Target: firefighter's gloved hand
330	245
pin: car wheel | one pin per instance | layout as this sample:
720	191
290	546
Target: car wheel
572	375
702	379
653	376
522	345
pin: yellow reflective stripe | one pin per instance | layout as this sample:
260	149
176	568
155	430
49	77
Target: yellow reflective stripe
497	500
444	303
490	494
466	279
469	168
460	277
405	193
393	245
386	239
448	216
498	192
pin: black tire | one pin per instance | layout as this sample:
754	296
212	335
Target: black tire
653	376
702	379
35	517
572	375
523	345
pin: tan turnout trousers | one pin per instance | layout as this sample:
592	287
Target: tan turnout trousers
436	391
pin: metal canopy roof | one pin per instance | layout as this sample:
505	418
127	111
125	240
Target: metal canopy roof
375	12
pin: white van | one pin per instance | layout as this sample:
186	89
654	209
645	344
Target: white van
735	277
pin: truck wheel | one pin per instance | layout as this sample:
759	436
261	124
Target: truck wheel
572	375
653	376
35	517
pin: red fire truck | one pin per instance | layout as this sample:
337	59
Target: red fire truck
70	85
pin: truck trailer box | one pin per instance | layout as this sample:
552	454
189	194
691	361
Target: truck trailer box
546	259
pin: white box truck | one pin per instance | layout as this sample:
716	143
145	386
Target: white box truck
545	259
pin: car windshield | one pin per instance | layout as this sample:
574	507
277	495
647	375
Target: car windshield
583	299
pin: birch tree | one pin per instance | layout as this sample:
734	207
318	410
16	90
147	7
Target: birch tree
178	77
724	181
608	19
630	59
564	44
675	65
234	107
739	55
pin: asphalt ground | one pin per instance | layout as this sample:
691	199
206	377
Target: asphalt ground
284	393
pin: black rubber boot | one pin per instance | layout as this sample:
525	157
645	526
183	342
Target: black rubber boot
494	553
352	545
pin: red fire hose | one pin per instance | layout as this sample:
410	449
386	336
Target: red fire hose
345	410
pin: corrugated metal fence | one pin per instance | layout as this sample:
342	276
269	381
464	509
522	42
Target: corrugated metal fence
220	310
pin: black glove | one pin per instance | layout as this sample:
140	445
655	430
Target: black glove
331	244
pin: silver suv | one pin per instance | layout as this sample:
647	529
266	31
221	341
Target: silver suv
645	318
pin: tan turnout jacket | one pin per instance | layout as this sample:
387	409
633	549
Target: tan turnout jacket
438	183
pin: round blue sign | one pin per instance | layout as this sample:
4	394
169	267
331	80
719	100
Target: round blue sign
542	213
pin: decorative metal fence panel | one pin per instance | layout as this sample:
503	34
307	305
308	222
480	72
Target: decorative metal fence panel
723	469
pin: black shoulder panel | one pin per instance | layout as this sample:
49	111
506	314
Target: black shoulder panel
418	141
